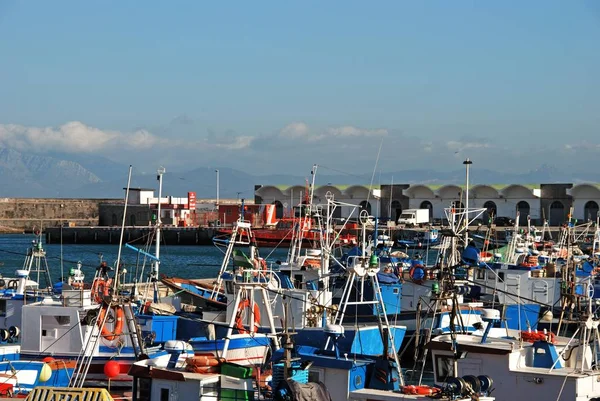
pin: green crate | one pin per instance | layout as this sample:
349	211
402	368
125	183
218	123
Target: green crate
236	395
238	371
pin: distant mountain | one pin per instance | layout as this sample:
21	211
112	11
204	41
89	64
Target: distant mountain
89	176
30	175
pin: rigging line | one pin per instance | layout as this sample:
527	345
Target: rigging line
374	170
342	172
279	243
507	293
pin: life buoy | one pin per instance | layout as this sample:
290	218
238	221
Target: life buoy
533	336
119	322
203	369
420	390
78	285
203	360
417	274
312	263
259	264
239	324
531	261
100	289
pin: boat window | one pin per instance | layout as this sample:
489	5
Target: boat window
229	287
2	307
298	278
481	274
53	321
444	368
315	375
209	389
164	394
501	277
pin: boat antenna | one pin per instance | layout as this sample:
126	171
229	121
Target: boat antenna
116	281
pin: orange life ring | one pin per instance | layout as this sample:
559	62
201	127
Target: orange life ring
100	288
420	390
78	285
203	369
312	263
119	322
203	360
533	336
531	261
239	324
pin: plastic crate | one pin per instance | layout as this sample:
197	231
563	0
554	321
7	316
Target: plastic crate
298	375
233	370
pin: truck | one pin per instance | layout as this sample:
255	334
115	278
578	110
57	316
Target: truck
414	217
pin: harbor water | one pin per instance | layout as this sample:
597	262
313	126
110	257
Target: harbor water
178	260
185	261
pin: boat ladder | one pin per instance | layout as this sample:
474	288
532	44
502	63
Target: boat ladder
363	271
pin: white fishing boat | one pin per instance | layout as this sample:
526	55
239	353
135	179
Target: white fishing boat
532	366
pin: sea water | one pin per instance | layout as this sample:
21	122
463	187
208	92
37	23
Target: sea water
186	261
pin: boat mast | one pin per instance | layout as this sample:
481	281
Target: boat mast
156	263
117	273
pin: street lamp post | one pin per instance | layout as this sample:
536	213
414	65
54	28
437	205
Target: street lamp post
467	164
217	203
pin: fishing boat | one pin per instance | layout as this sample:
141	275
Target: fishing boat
192	292
421	240
530	365
18	378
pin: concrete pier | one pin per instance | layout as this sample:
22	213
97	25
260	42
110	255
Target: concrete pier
132	235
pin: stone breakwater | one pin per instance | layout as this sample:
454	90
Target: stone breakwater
28	214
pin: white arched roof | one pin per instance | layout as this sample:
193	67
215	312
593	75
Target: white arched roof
357	191
269	191
449	192
483	192
585	191
419	192
295	191
322	191
517	191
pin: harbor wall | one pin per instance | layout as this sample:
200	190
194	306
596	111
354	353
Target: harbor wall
131	235
27	214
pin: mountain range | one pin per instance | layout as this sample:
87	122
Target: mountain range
26	175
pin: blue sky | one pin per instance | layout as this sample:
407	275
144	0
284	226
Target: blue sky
279	86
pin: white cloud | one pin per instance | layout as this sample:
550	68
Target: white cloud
581	146
350	131
460	145
238	142
295	130
72	137
299	130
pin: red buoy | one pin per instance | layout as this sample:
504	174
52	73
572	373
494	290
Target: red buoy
112	369
48	359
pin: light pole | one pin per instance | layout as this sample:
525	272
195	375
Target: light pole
467	163
217	203
160	172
